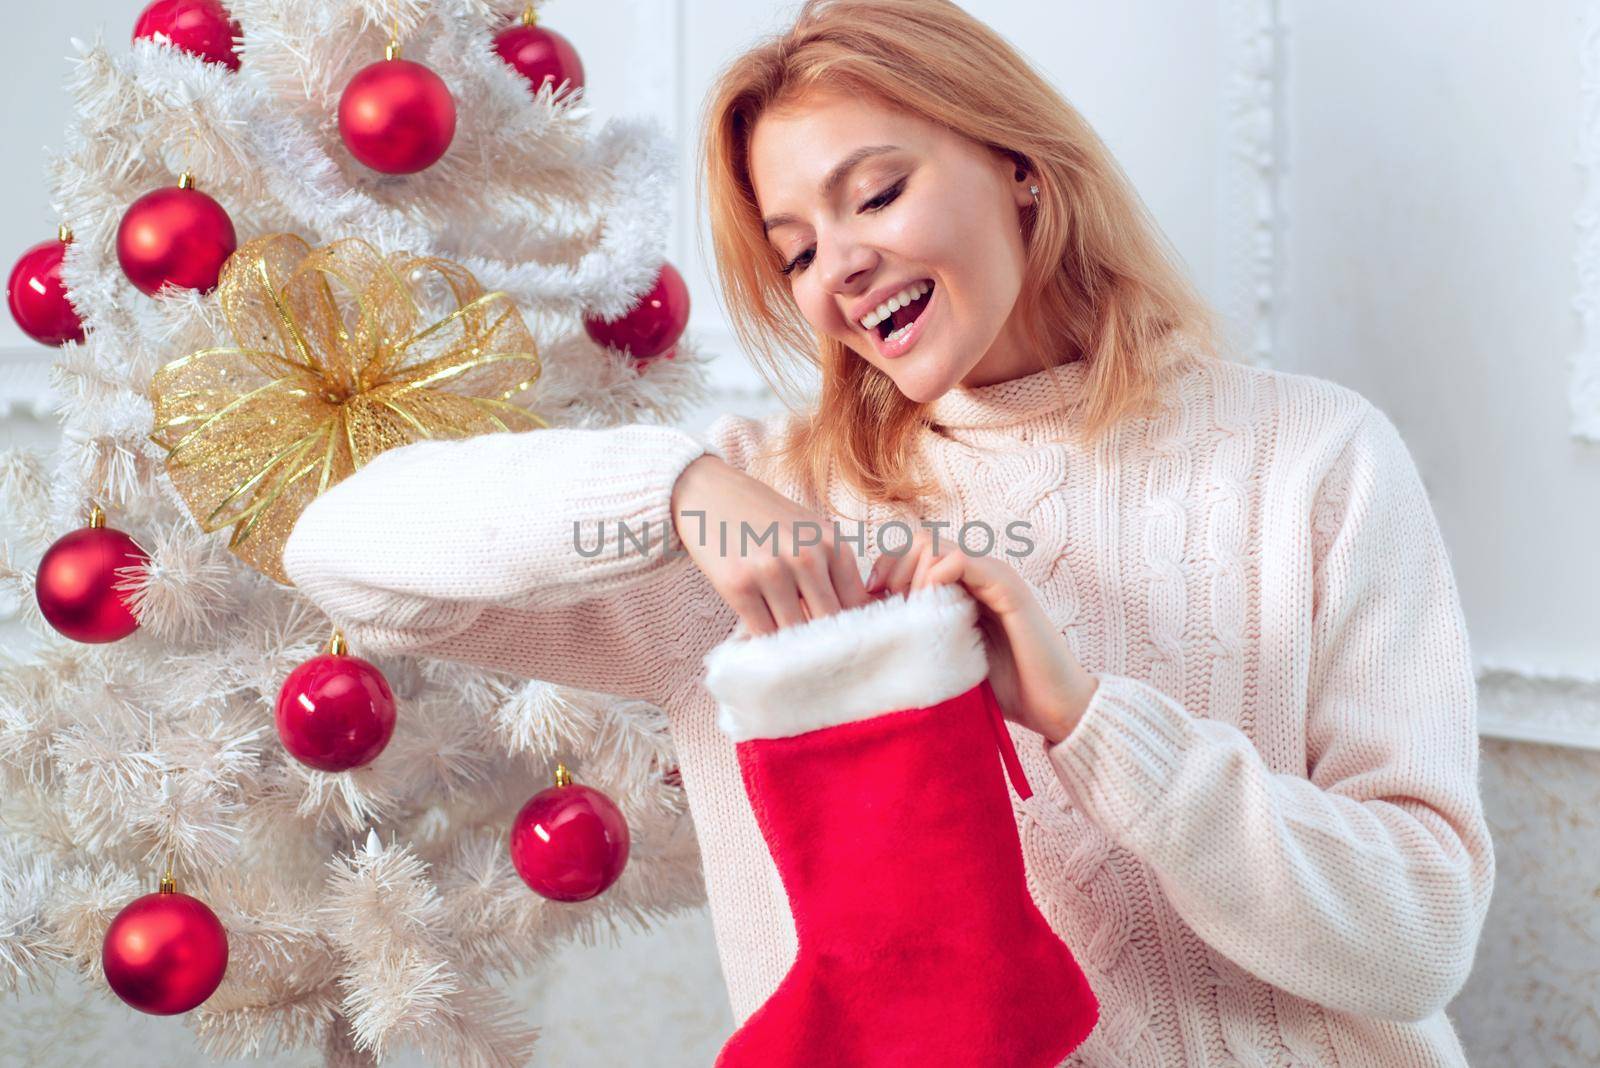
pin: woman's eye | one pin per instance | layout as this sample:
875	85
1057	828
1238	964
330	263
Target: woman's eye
877	203
885	198
796	263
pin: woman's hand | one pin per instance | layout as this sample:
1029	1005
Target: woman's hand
1036	678
802	573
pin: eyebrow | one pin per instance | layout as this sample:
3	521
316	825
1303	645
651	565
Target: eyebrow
831	182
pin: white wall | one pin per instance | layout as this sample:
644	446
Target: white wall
1438	211
1430	202
1384	195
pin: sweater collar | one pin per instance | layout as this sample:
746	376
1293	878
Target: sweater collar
1013	401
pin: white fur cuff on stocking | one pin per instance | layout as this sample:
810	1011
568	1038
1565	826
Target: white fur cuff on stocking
900	652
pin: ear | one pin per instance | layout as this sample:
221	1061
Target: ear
1019	174
1020	194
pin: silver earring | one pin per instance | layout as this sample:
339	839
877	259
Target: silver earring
1035	191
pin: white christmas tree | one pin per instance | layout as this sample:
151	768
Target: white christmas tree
378	907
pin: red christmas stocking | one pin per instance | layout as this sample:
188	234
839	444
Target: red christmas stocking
867	742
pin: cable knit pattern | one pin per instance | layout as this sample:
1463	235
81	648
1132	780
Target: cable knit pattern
1263	840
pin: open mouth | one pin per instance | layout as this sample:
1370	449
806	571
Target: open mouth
900	320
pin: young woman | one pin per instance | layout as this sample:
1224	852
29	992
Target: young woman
1218	609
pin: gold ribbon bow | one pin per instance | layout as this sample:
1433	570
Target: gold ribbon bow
336	362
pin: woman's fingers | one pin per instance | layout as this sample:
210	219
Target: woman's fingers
789	590
876	575
816	586
905	566
779	591
845	571
940	571
919	574
751	608
778	588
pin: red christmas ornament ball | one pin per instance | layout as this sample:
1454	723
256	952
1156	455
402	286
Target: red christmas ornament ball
540	55
200	27
397	116
335	712
76	583
569	842
176	235
165	953
653	325
38	300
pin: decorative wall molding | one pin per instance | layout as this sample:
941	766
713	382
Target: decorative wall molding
657	72
25	382
1527	705
1250	215
1585	383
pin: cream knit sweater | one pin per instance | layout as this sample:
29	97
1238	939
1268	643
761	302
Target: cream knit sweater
1264	841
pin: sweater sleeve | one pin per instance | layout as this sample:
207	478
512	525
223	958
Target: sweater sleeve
1363	885
548	553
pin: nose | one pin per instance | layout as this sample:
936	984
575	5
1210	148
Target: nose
848	268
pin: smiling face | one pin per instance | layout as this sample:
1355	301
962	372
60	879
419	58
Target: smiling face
922	213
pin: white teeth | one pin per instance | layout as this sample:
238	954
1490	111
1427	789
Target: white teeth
894	304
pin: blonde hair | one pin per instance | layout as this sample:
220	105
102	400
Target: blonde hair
1099	277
